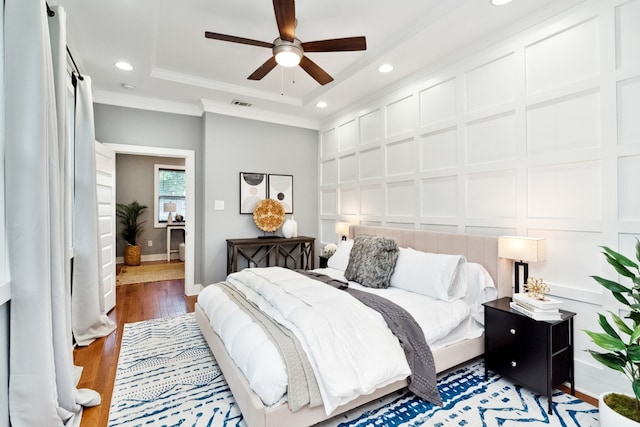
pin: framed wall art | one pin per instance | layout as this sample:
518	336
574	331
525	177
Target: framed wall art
281	189
253	188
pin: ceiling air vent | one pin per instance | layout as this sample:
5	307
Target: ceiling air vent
240	103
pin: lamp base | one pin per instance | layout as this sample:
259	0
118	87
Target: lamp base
517	265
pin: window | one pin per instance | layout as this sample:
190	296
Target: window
169	188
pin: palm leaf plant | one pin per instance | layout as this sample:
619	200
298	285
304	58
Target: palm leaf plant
128	214
622	343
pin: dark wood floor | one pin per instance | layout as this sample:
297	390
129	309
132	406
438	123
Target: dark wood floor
135	303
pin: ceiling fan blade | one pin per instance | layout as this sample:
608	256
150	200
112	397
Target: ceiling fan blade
234	39
315	71
285	11
336	45
264	69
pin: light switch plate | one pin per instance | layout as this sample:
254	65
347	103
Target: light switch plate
218	205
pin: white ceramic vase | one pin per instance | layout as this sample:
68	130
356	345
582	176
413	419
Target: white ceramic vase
610	418
290	228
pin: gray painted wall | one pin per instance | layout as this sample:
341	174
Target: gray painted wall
130	126
234	145
224	146
134	181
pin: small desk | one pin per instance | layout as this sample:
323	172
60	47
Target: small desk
294	253
170	228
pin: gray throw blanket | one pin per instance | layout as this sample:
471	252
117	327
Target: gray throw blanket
302	387
422	381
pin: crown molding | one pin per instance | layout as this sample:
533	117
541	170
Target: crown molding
235	90
143	103
209	106
206	106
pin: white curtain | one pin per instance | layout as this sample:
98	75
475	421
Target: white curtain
42	388
89	318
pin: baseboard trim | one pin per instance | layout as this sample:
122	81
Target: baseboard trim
150	257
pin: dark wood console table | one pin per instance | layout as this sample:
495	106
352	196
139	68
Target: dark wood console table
294	253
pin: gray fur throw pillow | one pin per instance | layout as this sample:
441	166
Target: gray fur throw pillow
372	260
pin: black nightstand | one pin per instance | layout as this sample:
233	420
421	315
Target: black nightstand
323	261
535	354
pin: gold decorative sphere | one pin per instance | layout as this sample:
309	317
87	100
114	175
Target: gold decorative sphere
268	215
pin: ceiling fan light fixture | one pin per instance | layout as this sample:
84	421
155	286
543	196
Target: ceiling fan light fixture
287	54
288	59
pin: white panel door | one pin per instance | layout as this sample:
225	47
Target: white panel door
106	188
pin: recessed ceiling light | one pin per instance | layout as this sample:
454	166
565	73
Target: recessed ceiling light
321	104
385	68
500	2
124	66
128	86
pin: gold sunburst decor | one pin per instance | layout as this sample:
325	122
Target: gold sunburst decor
268	215
536	288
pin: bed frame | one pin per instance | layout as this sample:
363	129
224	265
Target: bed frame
479	249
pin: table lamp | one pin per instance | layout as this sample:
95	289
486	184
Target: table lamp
522	250
342	229
169	207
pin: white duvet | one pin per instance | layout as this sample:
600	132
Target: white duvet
334	329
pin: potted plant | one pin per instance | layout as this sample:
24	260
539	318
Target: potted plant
128	214
622	343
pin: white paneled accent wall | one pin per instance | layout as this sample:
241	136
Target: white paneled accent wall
491	138
627	16
438	103
538	135
628	105
348	168
371	163
491	84
629	177
438	150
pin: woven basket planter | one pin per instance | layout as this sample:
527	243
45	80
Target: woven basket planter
132	255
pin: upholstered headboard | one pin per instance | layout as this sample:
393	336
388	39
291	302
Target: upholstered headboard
480	249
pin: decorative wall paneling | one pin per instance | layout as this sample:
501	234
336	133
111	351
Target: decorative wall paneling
538	135
628	96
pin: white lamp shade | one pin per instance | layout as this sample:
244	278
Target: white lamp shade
169	207
527	249
342	228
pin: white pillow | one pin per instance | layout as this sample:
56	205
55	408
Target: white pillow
340	259
480	289
438	276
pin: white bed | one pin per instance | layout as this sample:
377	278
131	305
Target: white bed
262	397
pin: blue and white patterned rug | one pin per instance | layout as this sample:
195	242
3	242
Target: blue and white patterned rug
167	377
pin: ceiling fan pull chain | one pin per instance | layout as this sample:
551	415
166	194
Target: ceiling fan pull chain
282	81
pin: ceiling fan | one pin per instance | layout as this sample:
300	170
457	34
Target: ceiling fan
288	51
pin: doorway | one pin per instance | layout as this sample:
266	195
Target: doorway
190	288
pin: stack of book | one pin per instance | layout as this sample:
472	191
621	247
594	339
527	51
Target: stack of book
546	309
